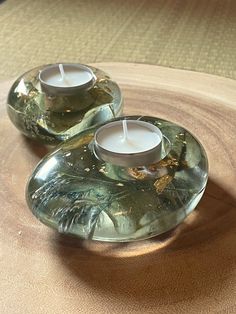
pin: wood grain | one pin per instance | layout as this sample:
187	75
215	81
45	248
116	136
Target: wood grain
189	270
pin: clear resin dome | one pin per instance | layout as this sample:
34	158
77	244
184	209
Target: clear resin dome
52	118
74	192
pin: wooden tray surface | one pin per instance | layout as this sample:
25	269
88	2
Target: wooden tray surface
189	270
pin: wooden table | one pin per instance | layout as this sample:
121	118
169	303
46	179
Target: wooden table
189	270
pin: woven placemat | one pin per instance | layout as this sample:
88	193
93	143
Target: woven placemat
197	35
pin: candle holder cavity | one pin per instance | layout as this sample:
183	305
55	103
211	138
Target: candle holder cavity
49	109
76	192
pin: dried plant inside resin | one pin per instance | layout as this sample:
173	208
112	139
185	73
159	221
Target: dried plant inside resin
75	193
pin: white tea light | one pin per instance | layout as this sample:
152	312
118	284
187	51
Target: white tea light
66	78
128	143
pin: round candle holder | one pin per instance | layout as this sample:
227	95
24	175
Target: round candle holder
51	114
77	193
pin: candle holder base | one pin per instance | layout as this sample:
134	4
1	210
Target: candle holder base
75	193
55	118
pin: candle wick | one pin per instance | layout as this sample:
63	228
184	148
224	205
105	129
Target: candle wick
62	72
125	130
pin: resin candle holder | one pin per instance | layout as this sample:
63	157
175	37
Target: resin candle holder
51	114
76	192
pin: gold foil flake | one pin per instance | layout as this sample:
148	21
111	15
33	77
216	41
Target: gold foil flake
136	173
102	170
161	183
170	162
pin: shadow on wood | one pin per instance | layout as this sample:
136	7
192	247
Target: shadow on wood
38	149
189	262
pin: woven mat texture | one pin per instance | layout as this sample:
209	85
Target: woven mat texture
196	35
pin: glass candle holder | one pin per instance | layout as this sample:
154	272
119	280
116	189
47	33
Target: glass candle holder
75	192
52	115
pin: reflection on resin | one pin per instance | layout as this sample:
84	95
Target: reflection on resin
52	119
75	193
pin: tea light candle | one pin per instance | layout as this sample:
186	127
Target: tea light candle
66	78
128	143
